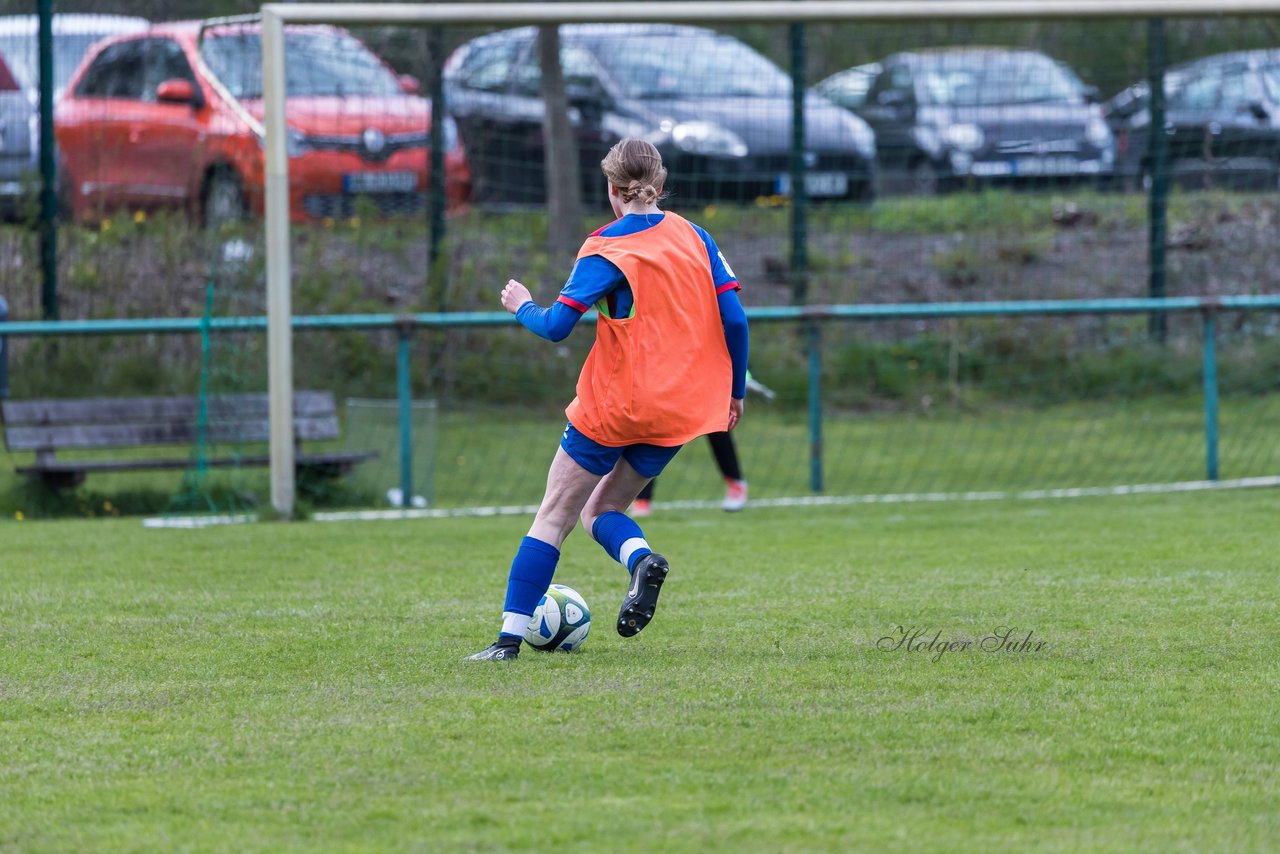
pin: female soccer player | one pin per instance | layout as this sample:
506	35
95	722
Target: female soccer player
669	364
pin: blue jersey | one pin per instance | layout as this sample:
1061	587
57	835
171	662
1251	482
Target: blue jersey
596	281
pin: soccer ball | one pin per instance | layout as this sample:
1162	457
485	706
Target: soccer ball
560	622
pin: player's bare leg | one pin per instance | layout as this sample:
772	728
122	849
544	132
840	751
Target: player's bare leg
569	486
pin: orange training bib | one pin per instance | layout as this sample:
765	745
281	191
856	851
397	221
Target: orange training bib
663	375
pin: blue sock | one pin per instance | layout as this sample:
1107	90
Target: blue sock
621	538
531	573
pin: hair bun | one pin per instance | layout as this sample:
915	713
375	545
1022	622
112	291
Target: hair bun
635	168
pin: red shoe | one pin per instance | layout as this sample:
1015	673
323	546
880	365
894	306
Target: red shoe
641	507
735	495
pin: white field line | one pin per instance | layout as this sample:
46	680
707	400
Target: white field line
834	500
189	522
198	521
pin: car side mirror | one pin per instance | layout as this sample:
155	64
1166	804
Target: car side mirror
1091	94
409	84
1258	111
177	92
588	96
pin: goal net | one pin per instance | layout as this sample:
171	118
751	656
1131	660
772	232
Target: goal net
946	153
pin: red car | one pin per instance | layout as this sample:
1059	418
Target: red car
172	118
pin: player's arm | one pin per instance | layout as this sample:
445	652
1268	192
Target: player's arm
732	316
592	278
736	337
553	323
734	320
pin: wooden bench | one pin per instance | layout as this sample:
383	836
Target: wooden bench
50	426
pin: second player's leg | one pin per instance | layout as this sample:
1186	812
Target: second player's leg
614	492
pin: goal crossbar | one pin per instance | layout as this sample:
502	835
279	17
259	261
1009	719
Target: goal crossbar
742	11
276	172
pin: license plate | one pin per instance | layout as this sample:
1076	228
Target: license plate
380	182
1046	166
817	184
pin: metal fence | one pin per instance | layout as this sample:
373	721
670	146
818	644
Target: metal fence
985	425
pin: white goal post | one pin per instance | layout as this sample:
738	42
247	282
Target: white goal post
275	16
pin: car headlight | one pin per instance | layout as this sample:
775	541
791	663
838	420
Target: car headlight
964	137
1097	133
707	138
927	139
864	140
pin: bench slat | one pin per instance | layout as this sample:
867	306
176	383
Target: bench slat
143	434
49	426
90	466
98	410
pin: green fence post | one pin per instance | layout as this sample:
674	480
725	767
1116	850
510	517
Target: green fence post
436	191
4	352
799	190
404	393
48	169
1158	169
1210	394
206	359
815	406
799	250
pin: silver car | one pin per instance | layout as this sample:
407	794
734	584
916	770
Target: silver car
963	116
20	102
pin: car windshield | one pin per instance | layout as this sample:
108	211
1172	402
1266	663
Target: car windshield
849	88
650	66
972	81
317	62
22	52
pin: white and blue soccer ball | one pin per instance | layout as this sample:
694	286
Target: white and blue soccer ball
560	622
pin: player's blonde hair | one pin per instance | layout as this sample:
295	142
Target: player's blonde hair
635	167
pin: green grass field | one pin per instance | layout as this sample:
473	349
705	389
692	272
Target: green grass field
299	686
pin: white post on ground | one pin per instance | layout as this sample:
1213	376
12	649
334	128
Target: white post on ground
279	273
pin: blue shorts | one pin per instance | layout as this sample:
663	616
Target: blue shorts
648	460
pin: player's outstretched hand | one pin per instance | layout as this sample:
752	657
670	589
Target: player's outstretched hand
735	411
514	295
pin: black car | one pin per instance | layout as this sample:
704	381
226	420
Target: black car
953	116
1222	121
719	112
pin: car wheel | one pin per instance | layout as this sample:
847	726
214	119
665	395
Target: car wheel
223	199
924	180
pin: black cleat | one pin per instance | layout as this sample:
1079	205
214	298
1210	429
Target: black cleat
497	652
642	597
